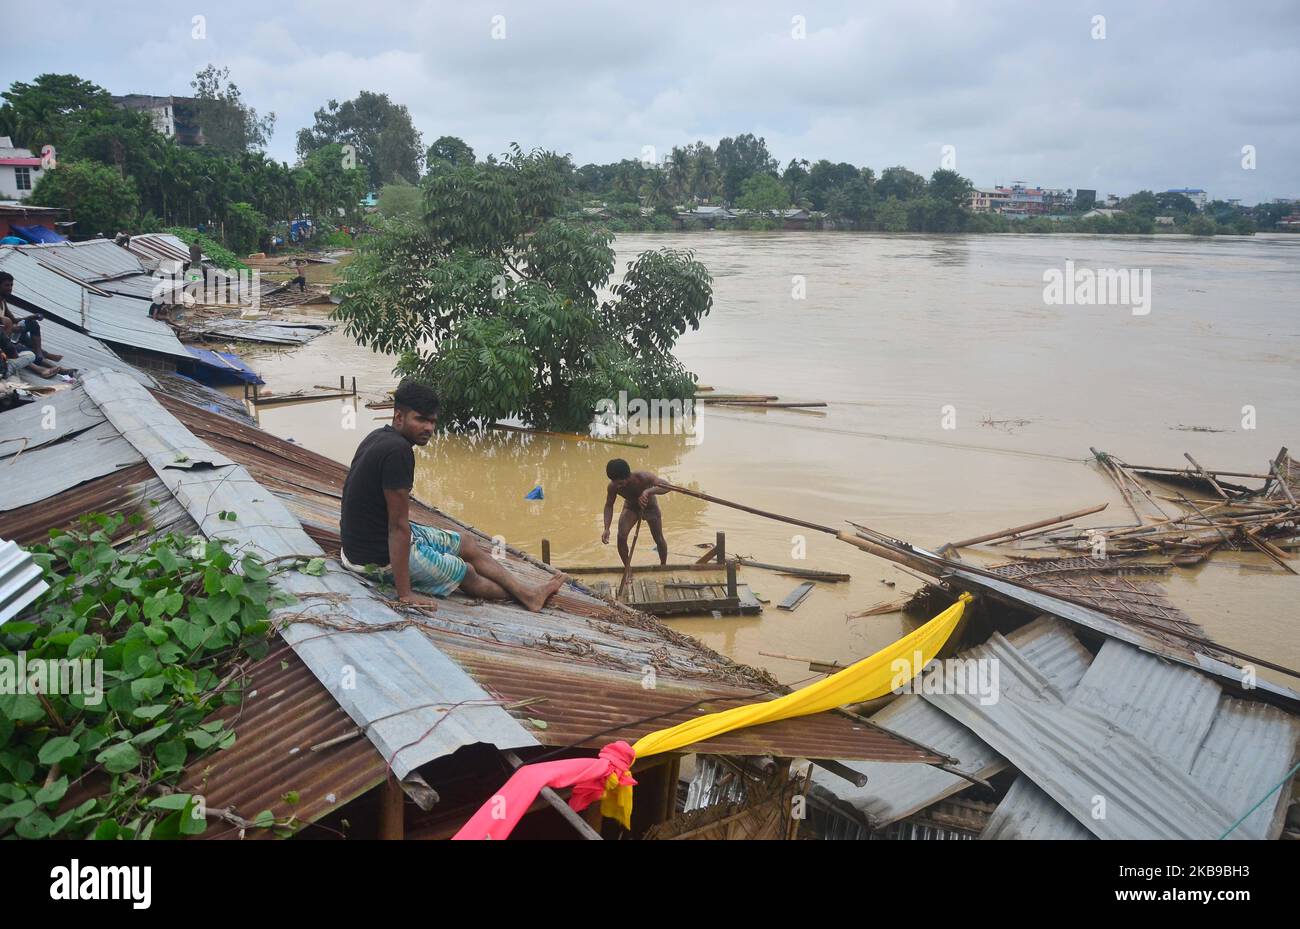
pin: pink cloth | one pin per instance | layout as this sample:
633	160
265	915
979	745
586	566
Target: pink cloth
497	818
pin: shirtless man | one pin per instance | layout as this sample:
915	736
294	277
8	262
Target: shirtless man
638	490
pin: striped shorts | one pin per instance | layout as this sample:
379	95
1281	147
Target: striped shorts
436	569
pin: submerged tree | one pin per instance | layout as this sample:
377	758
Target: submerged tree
495	298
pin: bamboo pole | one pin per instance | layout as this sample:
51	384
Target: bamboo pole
809	573
1034	525
1205	474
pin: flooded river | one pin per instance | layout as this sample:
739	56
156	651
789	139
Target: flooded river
960	402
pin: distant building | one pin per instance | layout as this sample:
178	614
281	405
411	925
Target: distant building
988	199
1024	201
1083	194
1164	220
1194	194
19	171
1101	212
174	117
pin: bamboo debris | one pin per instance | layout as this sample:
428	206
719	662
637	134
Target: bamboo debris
1243	519
1014	530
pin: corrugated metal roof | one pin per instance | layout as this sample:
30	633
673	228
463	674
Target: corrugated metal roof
286	711
1083	759
1236	750
80	352
894	791
52	469
1028	813
251	330
139	286
20	580
158	246
394	675
52	419
91	261
1186	653
133	490
121	320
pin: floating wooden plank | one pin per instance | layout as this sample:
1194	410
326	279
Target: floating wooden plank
796	597
809	573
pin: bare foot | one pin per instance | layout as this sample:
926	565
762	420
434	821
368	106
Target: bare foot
53	357
544	592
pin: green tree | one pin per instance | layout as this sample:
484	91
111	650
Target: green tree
229	125
385	141
494	298
739	158
825	178
1175	204
46	110
1201	225
448	152
763	193
900	183
892	215
404	200
1143	203
244	228
854	201
102	201
327	187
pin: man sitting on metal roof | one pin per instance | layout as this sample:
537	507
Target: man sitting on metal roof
26	332
379	538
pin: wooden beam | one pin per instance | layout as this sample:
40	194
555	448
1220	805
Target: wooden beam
392	824
638	569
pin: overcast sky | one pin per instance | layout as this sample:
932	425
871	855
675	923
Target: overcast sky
1021	90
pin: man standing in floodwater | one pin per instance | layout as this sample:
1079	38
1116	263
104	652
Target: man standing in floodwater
638	490
379	538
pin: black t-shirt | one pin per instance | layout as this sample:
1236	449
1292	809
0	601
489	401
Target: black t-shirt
384	461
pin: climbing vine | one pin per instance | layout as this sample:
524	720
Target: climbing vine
167	632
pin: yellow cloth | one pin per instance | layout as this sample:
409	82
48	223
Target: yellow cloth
867	679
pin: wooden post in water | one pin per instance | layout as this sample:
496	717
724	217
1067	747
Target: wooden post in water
546	551
720	550
731	581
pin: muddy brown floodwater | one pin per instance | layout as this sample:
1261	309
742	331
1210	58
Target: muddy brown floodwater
898	333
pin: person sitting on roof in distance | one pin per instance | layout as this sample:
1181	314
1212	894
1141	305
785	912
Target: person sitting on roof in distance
25	332
14	358
638	490
376	530
299	268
